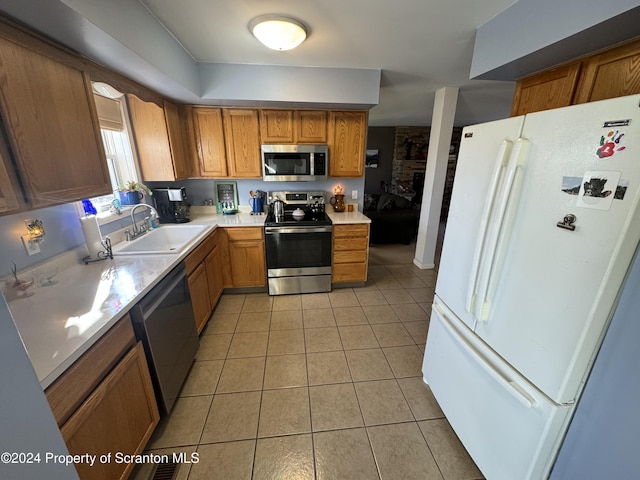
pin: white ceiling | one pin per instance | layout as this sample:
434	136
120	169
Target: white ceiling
419	46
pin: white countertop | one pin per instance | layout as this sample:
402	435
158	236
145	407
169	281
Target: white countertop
62	321
338	218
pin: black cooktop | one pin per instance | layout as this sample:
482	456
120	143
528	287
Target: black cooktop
309	219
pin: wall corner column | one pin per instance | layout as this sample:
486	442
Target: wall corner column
444	110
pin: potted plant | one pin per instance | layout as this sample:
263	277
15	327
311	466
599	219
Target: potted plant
132	192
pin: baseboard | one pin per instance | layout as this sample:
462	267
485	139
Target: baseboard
424	266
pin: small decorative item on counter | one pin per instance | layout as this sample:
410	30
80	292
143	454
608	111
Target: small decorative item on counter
88	207
298	214
17	288
116	206
338	200
131	193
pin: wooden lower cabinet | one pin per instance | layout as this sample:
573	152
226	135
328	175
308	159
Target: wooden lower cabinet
118	417
205	276
246	257
215	281
104	403
350	253
200	298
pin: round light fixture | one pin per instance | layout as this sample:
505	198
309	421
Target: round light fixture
278	32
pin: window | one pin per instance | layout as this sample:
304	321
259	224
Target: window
117	143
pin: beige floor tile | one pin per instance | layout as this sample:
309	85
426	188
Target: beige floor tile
380	314
344	454
327	367
334	407
388	283
450	455
410	312
403	270
418	331
241	375
368	298
316	300
401	452
395	297
221	323
184	424
392	334
378	270
426	307
144	471
257	302
382	402
284	412
224	461
283	458
358	336
420	399
283	342
411	281
340	298
233	416
349	316
369	285
370	364
404	361
253	322
287	302
284	371
422	295
202	379
322	339
286	319
229	304
252	344
318	317
214	347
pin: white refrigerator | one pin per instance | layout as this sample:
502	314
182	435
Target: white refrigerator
543	225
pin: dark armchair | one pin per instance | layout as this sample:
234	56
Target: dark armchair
394	219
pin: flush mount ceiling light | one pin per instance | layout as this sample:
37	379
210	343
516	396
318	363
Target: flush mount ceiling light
278	32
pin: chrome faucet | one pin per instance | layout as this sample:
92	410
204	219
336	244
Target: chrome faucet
139	230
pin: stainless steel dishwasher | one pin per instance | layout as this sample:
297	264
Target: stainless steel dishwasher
163	320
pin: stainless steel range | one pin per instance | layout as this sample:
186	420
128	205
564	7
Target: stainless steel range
298	243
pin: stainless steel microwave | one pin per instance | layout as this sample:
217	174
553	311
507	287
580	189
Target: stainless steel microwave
295	163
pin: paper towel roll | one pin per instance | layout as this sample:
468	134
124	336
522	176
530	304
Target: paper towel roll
92	235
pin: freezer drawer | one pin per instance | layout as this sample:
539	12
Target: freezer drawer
509	428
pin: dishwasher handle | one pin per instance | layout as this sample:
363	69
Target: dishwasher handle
154	298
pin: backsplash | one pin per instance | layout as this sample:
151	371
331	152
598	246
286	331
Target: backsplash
63	231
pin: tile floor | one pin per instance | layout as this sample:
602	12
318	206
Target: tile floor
320	386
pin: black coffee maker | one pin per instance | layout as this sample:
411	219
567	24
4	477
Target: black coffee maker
171	204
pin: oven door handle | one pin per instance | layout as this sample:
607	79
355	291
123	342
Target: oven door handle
274	230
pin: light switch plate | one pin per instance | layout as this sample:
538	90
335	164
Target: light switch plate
31	247
354	194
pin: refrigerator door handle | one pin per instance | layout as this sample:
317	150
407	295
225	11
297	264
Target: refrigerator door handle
513	388
500	165
502	232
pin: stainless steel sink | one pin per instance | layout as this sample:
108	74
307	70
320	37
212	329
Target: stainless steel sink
168	239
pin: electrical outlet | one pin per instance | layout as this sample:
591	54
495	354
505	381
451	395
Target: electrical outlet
354	194
31	247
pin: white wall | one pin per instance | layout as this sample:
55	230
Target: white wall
542	33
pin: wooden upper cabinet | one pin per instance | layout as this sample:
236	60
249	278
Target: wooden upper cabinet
550	89
160	140
10	193
51	122
276	126
610	74
176	118
310	126
209	138
242	141
347	143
